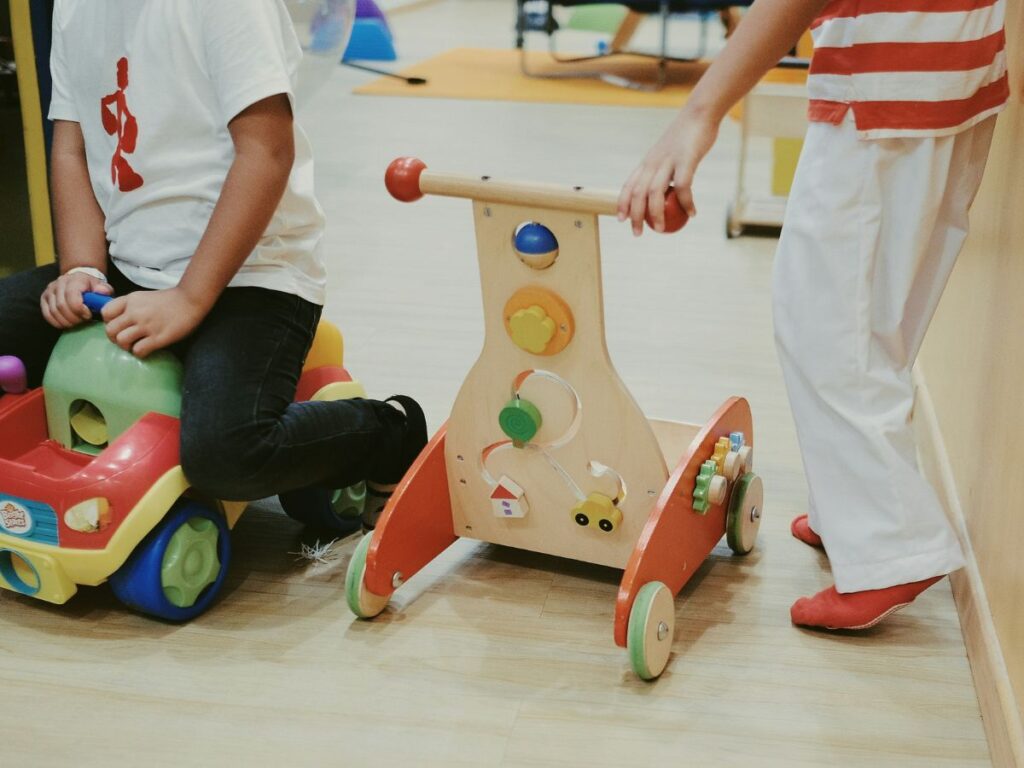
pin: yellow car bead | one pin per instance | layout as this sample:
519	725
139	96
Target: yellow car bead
597	511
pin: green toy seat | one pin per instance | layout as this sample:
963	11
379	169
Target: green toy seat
95	391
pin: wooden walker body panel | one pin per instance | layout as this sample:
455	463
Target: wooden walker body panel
588	414
545	449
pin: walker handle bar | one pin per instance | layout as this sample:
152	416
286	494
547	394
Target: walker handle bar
408	180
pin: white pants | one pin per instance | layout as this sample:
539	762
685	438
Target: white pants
872	231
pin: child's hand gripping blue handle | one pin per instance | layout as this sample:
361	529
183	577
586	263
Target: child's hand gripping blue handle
96	302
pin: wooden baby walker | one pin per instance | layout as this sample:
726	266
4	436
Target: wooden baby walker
545	449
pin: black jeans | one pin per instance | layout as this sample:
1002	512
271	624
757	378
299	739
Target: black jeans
242	437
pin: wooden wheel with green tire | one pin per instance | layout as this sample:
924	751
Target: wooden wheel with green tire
651	628
746	508
361	601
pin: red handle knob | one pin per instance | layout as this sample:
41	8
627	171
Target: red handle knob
675	216
403	179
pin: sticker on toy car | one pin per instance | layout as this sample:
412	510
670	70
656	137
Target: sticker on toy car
14	518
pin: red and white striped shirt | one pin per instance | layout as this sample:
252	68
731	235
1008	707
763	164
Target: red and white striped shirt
908	67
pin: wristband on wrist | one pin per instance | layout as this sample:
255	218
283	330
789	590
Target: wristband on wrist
90	271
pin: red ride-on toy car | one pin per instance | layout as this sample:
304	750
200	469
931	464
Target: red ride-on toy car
91	486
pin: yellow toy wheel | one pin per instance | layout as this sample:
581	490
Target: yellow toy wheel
746	508
651	628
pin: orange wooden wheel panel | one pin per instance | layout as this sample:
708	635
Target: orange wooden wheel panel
416	525
676	540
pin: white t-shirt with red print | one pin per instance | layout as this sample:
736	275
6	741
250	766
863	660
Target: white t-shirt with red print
154	84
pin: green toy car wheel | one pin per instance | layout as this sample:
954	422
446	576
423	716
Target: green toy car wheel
176	572
746	507
361	601
651	628
190	563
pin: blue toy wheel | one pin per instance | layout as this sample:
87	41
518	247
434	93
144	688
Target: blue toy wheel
335	512
176	572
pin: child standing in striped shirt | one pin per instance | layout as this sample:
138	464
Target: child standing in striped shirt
903	97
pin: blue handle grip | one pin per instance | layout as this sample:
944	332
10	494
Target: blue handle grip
96	302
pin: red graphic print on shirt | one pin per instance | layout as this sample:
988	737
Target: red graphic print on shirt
119	121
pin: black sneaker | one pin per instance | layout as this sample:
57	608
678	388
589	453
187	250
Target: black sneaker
414	440
376	500
416	437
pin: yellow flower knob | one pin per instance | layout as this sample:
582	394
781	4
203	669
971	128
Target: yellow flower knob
532	329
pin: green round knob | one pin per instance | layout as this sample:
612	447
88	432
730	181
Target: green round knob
520	419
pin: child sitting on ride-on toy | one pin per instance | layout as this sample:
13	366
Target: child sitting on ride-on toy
182	185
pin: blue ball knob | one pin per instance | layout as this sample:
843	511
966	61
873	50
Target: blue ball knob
536	245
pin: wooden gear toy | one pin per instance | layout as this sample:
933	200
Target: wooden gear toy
545	449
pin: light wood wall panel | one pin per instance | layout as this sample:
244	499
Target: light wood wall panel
973	366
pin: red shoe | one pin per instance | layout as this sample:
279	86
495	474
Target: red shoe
855	610
801	529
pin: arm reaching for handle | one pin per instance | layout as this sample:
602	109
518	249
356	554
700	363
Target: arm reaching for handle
768	31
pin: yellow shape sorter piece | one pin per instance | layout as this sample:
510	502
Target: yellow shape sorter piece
539	321
531	329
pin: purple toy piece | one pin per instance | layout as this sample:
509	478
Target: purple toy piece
13	378
368	9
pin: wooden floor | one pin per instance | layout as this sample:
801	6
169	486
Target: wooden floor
494	657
